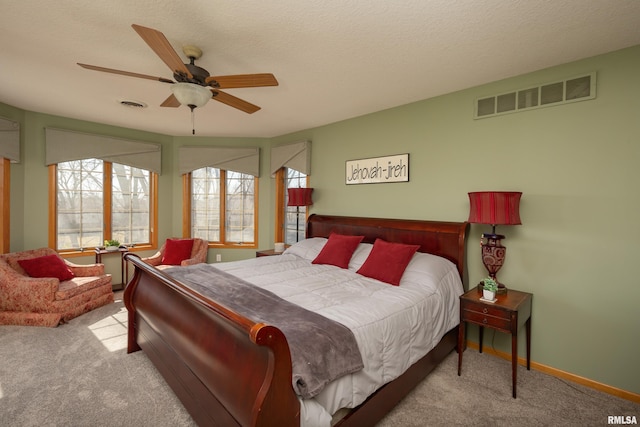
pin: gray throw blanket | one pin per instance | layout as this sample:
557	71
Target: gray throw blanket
321	349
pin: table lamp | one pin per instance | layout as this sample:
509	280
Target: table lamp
494	208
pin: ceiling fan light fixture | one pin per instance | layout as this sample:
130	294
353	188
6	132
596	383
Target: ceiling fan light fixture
191	94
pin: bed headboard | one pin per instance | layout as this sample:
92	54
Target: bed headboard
445	239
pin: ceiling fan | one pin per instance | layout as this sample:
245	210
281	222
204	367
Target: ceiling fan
193	85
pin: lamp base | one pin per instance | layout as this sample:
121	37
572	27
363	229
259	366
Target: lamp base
493	254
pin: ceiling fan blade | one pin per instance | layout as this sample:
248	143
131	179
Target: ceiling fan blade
161	46
171	101
234	102
243	80
124	73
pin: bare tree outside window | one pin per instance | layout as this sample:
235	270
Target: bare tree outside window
205	204
223	200
240	208
130	210
81	204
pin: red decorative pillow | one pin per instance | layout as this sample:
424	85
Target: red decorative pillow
387	261
338	250
176	251
47	266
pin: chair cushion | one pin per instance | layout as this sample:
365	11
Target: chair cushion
47	266
80	285
176	251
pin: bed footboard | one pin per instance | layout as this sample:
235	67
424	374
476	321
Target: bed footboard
226	369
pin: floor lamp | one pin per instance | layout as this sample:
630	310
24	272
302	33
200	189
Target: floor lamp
299	197
494	208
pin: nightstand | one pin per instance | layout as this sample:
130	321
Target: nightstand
124	265
507	314
267	252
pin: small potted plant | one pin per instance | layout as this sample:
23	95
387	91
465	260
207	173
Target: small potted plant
111	245
489	289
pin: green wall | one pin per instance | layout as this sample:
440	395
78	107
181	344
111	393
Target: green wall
576	165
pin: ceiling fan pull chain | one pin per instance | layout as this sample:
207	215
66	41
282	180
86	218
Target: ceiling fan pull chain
193	122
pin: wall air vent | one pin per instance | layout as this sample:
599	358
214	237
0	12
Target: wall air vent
579	88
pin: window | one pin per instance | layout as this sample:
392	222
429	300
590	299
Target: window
295	216
286	215
222	207
130	204
4	205
97	200
291	166
80	201
9	152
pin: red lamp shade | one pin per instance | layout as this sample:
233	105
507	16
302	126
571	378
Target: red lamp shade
495	207
299	197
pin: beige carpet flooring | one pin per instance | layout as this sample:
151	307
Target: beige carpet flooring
80	375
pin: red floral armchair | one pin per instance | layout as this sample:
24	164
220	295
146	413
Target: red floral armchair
49	301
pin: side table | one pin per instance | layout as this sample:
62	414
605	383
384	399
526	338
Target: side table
267	252
507	314
124	265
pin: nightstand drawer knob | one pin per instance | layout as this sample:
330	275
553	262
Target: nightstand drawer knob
485	311
484	320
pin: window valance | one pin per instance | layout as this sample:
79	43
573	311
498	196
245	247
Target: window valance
236	159
296	155
64	145
10	140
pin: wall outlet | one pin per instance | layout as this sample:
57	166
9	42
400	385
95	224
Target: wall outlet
218	257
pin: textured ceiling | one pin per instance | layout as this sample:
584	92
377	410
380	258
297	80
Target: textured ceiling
334	59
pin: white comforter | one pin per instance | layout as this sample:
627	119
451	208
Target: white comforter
394	326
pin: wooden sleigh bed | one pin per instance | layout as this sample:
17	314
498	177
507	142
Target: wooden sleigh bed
239	372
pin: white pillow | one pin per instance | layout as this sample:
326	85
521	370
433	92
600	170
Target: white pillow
307	248
360	256
428	268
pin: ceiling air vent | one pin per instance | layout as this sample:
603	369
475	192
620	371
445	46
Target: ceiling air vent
579	88
133	104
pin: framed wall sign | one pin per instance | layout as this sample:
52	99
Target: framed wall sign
377	170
